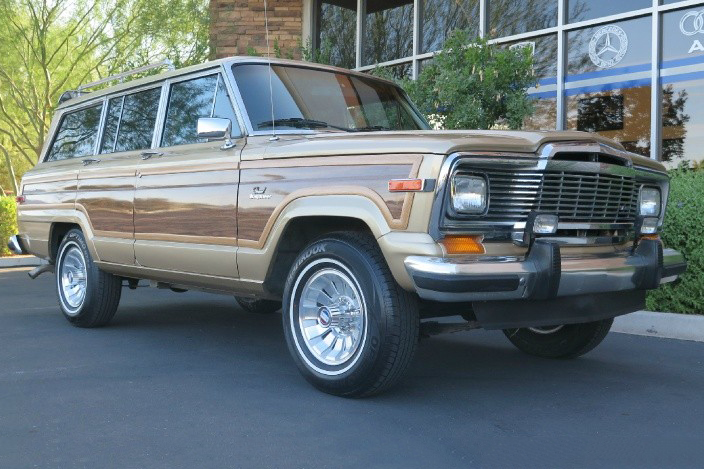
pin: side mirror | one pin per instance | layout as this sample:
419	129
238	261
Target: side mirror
215	128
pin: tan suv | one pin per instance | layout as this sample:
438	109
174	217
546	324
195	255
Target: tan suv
337	199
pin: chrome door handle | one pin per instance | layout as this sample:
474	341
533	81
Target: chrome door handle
148	154
88	161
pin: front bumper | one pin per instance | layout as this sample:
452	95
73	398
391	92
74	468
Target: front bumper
544	274
15	245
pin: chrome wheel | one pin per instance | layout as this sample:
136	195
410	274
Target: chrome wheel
331	314
545	329
72	278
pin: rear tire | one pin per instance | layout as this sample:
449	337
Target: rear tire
88	297
350	328
567	341
257	305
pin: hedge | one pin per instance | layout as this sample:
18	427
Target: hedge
8	222
683	231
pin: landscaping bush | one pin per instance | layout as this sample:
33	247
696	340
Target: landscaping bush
8	222
683	231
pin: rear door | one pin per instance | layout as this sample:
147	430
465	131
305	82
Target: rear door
185	214
106	185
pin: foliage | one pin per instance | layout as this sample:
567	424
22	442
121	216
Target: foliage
49	46
681	231
475	85
8	222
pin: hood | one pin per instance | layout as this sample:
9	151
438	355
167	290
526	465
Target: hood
434	142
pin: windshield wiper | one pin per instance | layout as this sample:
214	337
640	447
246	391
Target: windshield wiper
371	128
301	123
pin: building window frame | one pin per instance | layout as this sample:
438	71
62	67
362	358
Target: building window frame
655	12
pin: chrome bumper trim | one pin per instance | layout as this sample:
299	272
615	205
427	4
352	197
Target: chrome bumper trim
499	278
15	245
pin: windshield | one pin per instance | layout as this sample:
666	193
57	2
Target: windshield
319	99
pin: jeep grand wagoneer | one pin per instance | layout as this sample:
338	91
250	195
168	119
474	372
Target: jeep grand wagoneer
332	200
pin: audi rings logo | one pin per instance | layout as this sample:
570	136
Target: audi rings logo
608	46
692	23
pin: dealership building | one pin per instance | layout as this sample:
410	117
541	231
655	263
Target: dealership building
631	70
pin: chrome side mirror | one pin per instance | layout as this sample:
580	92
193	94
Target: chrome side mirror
215	128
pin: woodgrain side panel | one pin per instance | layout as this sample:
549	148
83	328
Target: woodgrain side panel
108	203
189	207
258	210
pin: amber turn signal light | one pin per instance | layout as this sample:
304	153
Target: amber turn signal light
655	237
463	244
406	185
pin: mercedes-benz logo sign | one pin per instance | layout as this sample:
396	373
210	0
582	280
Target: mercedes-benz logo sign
608	46
692	23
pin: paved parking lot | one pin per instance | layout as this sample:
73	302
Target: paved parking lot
188	380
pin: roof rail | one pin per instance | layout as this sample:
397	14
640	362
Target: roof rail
70	94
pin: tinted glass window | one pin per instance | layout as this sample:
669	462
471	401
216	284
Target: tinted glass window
441	17
508	17
112	120
388	31
337	30
136	127
322	100
188	101
223	107
580	10
76	135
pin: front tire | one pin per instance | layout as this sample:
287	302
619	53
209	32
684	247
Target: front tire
88	297
565	341
351	329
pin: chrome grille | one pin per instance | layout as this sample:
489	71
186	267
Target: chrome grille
578	197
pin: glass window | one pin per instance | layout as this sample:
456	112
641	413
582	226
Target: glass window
317	99
337	32
508	17
441	17
607	85
136	127
76	135
388	29
544	93
112	120
580	10
223	108
188	101
682	76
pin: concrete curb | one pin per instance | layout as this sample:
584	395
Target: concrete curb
20	261
664	325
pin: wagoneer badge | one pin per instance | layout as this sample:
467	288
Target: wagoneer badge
259	193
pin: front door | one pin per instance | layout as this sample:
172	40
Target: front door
185	209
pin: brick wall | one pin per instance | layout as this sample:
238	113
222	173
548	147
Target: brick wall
237	25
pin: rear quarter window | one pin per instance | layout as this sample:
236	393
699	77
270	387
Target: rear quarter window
76	135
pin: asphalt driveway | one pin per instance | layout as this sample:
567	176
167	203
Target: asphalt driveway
189	380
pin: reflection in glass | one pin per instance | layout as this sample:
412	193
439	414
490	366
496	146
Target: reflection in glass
682	38
580	10
619	114
321	100
544	48
633	53
76	135
683	123
112	120
188	101
337	32
223	108
136	127
441	17
388	29
508	17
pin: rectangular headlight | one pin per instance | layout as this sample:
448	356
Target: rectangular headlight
469	194
649	202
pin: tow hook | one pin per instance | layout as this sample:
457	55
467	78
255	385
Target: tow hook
37	271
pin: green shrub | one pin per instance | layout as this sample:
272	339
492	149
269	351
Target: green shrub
683	231
8	222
